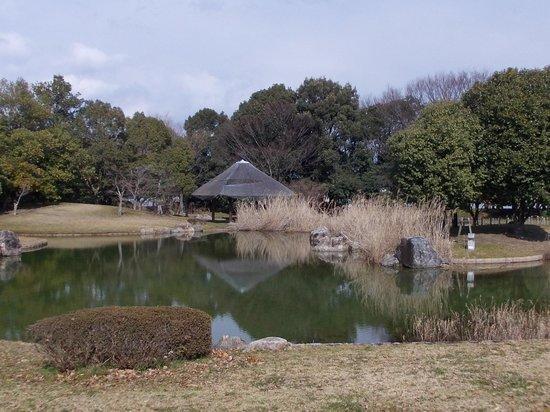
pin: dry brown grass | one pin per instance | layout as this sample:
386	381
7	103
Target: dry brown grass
375	225
77	218
508	321
481	376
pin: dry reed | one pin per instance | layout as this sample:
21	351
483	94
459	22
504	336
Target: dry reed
509	321
375	225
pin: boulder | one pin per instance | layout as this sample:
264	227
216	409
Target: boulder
322	240
271	343
230	343
183	228
9	244
197	227
417	252
389	260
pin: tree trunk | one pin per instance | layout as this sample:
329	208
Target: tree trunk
120	198
15	206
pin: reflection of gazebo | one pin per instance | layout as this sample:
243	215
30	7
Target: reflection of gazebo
242	181
241	274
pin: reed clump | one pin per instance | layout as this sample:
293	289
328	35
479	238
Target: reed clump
509	321
374	225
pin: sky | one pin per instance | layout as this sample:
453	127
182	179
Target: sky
171	58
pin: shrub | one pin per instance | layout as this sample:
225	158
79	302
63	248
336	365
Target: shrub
123	337
509	321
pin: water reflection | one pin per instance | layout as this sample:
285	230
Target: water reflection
253	285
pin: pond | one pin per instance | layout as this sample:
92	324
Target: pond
252	284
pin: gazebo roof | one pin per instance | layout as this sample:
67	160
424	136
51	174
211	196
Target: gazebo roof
242	180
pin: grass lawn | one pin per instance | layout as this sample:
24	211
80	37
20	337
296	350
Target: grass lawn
512	375
490	245
71	218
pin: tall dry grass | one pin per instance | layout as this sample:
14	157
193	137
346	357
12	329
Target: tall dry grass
294	214
375	225
509	321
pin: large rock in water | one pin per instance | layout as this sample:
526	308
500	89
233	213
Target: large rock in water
417	252
322	240
9	243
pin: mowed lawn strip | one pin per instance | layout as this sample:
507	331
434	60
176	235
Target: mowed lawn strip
78	218
498	246
510	375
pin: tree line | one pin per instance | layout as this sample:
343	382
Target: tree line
470	138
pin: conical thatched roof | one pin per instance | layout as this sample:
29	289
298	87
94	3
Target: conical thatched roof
242	180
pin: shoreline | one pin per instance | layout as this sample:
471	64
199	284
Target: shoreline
35	241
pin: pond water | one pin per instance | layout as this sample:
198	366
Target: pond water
253	284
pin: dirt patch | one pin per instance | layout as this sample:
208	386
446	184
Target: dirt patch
488	375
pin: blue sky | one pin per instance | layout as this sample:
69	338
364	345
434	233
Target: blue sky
171	58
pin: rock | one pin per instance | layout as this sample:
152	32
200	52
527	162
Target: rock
389	260
183	228
417	252
9	243
230	343
332	257
197	227
271	343
9	266
322	240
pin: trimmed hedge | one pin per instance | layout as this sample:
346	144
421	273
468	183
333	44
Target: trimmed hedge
123	337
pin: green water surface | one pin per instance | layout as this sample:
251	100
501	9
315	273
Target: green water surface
253	284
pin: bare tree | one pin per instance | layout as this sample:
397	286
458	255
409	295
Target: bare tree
444	86
278	140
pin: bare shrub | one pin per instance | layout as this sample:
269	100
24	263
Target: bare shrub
509	321
123	337
375	225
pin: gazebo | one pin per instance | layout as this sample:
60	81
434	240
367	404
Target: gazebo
242	181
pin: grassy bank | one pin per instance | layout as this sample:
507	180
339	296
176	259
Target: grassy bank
345	377
376	225
494	245
77	218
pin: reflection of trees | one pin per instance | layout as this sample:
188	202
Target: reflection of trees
283	248
305	300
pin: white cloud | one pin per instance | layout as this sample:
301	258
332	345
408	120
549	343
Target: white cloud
13	44
88	56
90	87
202	88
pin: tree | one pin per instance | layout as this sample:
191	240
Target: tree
58	97
436	156
385	116
335	109
202	135
276	138
146	136
443	86
19	107
97	120
48	163
513	107
260	99
205	120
